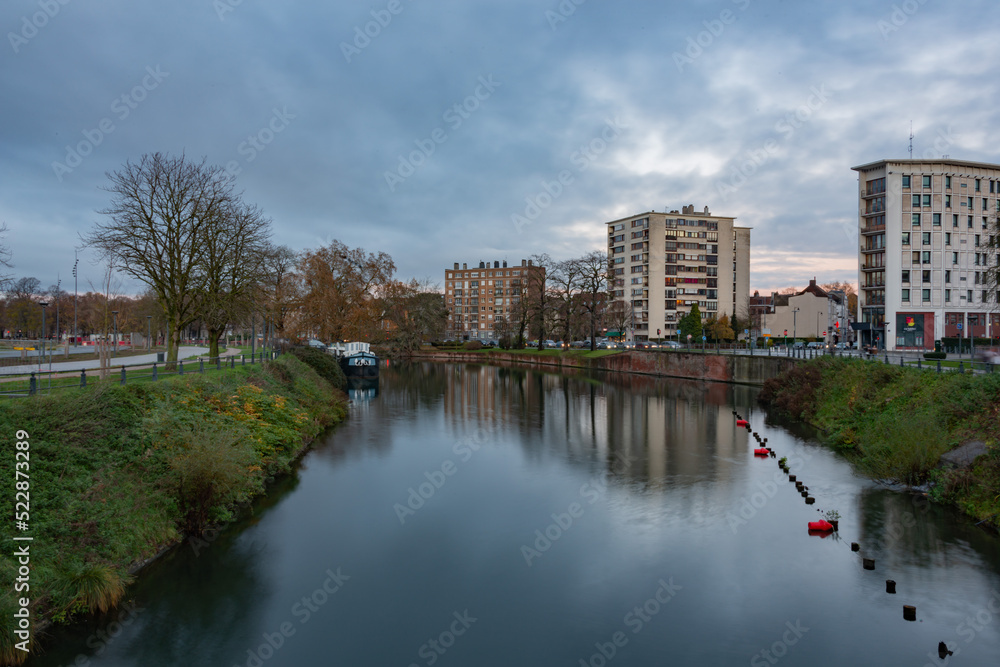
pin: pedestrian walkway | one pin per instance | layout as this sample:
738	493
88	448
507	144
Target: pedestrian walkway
139	360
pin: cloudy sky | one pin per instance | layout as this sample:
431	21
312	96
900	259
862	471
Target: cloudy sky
438	131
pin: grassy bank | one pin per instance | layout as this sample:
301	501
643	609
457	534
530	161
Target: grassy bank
117	473
896	423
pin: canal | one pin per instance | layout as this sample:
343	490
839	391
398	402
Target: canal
477	516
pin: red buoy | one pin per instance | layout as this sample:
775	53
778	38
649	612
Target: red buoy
742	422
822	526
761	451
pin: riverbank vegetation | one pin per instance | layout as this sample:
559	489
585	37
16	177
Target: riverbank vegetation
896	423
117	473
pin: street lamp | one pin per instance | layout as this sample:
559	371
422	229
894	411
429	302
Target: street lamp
114	350
149	332
44	305
76	261
794	314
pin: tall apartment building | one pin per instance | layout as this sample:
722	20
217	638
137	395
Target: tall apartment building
924	227
664	263
477	298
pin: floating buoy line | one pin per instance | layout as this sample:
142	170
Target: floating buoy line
824	528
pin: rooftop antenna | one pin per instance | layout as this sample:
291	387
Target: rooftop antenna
911	139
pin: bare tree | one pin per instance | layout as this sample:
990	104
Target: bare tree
595	281
237	247
620	316
279	285
161	209
541	299
565	280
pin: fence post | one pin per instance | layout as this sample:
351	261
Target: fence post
218	363
83	378
961	367
939	365
919	366
243	360
154	372
887	358
232	362
123	375
201	365
180	368
32	385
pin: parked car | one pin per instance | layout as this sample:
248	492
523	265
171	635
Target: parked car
816	345
550	344
672	344
317	344
799	344
601	346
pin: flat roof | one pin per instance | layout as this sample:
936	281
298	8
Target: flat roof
908	161
672	214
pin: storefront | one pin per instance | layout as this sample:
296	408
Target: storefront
915	330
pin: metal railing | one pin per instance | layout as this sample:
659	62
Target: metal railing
35	382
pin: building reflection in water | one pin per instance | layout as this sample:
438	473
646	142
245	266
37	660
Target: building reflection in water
643	429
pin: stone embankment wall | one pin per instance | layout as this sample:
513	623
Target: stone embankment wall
696	366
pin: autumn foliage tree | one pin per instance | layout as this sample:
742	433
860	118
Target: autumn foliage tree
342	292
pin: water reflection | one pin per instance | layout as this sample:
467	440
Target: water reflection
430	493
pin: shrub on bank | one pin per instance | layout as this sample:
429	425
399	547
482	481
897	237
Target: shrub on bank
324	363
895	423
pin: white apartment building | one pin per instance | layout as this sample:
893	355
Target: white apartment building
924	231
664	263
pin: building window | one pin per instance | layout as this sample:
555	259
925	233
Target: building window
977	240
978	189
937	219
906	275
926	238
968	296
954	220
925	295
915	219
947	295
970	202
906	181
985	207
927	200
954	258
947	238
926	181
926	259
947	182
947	276
915	201
986	224
969	222
947	201
906	238
904	295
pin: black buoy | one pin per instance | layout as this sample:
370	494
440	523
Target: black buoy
810	500
791	478
855	546
868	563
890	586
943	651
909	613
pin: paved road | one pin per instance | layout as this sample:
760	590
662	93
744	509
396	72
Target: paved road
66	366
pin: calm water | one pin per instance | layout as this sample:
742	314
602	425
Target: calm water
475	516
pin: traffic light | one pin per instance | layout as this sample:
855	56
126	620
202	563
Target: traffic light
657	332
786	332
